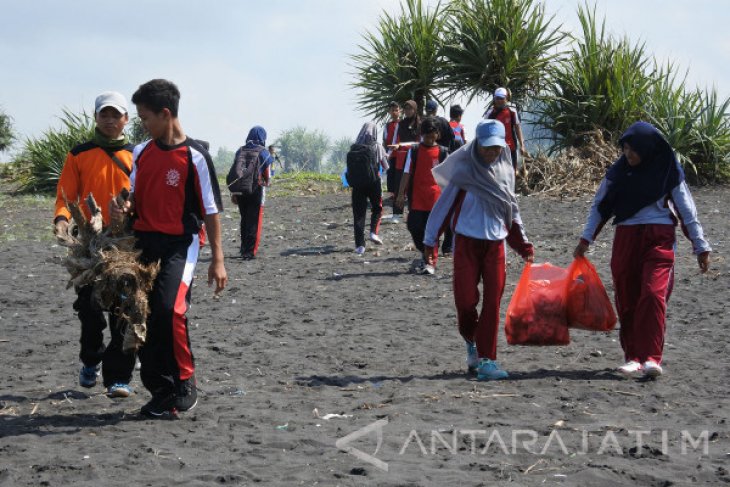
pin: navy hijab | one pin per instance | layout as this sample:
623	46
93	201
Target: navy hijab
632	188
256	136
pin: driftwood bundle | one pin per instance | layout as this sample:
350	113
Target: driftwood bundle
107	260
573	172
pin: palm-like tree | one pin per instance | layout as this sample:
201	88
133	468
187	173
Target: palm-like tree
401	60
492	43
6	131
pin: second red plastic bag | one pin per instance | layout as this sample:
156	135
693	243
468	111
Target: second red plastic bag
589	306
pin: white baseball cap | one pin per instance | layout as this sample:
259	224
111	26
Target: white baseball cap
500	93
111	99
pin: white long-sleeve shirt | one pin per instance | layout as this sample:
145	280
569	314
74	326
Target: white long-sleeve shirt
662	212
474	219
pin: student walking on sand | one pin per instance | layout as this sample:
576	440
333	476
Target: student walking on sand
645	193
455	113
420	187
478	203
409	130
247	181
365	160
101	167
174	190
511	121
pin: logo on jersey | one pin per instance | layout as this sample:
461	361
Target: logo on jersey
172	178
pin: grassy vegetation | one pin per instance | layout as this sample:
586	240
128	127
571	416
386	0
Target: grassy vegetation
305	184
40	162
27	216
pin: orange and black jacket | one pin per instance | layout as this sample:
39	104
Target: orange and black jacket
90	169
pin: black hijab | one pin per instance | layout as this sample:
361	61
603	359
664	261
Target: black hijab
632	188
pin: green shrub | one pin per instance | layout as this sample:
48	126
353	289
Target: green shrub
603	83
6	131
41	159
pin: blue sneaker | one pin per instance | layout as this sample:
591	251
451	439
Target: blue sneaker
88	375
119	390
472	359
489	370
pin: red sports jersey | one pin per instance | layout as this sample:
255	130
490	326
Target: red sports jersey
174	187
390	134
425	191
508	117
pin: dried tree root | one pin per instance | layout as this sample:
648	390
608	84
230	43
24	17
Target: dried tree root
107	260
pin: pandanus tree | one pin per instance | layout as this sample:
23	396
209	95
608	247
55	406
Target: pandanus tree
492	43
401	59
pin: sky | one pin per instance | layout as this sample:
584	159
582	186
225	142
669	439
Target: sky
279	63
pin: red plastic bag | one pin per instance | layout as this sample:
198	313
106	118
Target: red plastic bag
589	307
536	314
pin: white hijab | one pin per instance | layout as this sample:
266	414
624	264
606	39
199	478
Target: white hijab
492	183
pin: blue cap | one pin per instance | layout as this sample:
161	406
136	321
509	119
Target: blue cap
431	106
490	132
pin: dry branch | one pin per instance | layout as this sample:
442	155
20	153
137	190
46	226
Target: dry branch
573	172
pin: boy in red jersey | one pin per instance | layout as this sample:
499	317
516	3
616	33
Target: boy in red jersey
390	142
174	190
420	186
511	121
455	113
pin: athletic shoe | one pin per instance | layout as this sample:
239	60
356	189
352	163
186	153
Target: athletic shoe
88	375
472	359
375	239
652	369
490	370
425	269
187	395
119	390
360	250
248	256
161	406
395	219
630	368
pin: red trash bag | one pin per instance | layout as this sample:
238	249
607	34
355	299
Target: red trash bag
536	314
589	307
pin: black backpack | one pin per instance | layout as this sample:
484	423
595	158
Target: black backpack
362	166
243	177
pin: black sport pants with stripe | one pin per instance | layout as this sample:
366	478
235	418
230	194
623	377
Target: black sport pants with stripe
166	356
116	366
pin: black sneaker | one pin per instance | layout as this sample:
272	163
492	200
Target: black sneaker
187	395
161	406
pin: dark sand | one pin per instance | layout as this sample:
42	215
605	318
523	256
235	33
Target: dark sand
309	325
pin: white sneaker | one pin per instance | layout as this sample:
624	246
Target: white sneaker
652	369
630	368
395	219
375	239
360	250
426	270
